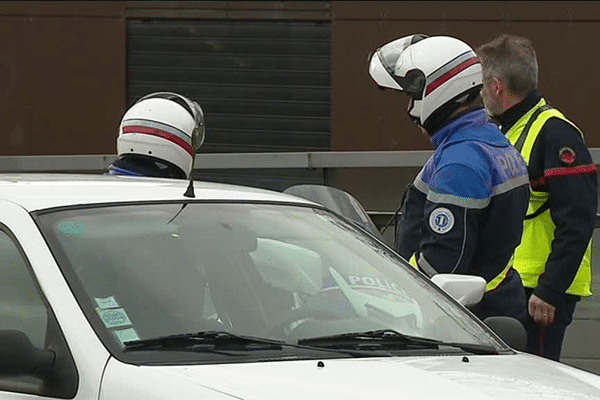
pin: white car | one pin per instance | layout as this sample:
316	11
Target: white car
125	288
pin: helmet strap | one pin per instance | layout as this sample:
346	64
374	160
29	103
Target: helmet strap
438	118
441	116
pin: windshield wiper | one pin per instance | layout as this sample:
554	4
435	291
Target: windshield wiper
215	341
211	340
391	339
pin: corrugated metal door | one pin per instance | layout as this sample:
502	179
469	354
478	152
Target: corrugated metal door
263	85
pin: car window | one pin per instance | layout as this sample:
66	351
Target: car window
271	271
21	307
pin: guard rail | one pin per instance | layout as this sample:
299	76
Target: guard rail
311	160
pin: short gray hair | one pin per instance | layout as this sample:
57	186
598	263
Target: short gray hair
512	58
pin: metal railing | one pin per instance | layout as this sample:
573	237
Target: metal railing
323	159
310	160
298	160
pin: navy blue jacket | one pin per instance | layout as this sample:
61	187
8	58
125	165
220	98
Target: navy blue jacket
138	165
464	211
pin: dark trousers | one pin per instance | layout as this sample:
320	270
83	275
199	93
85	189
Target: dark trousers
508	299
546	340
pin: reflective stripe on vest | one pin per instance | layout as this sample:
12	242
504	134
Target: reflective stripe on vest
493	284
538	232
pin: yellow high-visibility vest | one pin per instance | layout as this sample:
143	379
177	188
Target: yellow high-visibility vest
538	232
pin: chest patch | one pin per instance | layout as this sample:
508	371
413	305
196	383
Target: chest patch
441	220
567	155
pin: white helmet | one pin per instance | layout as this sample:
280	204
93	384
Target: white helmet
165	126
438	73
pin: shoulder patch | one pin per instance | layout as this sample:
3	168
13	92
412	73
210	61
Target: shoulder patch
441	220
567	156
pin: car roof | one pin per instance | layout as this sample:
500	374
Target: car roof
35	191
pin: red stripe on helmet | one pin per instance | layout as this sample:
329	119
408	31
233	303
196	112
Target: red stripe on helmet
451	73
160	133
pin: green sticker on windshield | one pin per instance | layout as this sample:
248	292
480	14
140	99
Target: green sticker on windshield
108	302
71	228
126	335
114	317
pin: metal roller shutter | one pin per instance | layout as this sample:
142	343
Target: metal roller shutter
264	86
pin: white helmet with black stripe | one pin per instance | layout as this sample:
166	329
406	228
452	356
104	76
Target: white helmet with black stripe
165	126
439	73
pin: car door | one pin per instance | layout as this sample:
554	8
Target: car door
36	301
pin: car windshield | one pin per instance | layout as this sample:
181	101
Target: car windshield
279	272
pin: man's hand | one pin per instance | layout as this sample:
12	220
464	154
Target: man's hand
540	311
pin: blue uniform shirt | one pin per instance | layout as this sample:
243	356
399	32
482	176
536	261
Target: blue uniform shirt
464	211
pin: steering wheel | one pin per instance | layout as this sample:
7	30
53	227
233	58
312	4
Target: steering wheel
317	308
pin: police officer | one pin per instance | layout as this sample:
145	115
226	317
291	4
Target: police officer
554	255
159	136
464	211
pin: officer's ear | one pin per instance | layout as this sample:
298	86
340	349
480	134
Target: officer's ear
496	86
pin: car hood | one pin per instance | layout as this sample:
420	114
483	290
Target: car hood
449	377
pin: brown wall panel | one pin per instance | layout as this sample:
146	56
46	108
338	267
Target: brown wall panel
467	10
366	118
63	8
419	10
552	10
62	85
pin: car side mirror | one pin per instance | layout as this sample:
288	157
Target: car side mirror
19	357
511	330
466	289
